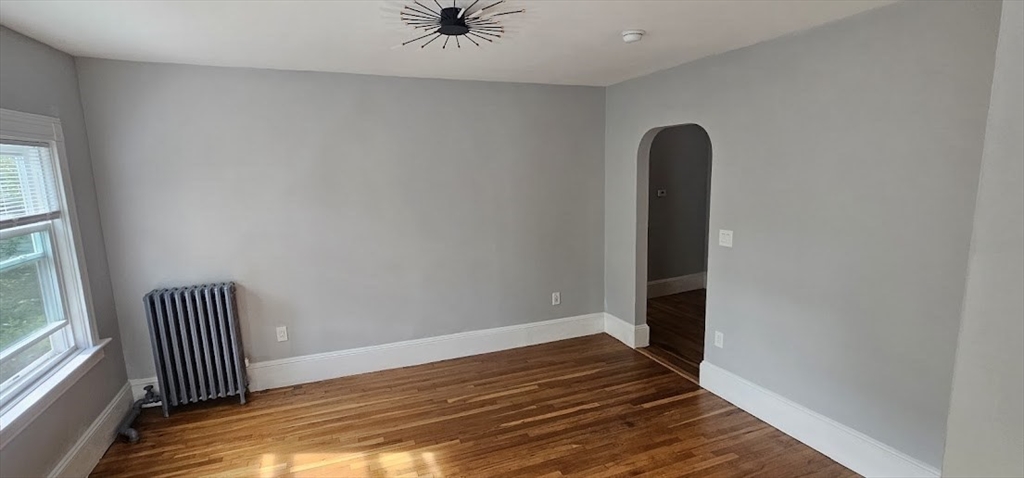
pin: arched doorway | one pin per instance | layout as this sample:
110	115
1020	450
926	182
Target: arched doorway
675	179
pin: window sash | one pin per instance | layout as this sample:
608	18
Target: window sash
59	329
27	225
58	332
12	223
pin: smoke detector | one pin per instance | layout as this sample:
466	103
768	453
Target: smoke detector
632	36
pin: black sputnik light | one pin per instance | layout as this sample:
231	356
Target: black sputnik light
480	25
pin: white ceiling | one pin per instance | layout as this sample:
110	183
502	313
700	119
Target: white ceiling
559	42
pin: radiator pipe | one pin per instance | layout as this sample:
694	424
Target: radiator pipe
125	428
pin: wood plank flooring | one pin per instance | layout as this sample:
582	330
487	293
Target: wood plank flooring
581	407
677	330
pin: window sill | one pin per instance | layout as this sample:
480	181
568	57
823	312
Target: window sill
13	421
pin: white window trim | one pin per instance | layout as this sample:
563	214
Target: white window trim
18	126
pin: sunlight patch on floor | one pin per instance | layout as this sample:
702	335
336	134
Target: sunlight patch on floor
354	465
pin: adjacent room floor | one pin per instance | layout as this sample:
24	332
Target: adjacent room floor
586	407
677	330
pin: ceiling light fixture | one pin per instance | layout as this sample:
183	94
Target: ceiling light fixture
632	36
477	22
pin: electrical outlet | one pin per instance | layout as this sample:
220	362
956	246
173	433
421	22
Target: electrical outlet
661	193
719	339
725	238
282	334
556	298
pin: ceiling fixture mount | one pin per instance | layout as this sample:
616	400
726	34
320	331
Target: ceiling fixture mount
632	36
475	22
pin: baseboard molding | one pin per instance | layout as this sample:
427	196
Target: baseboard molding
90	447
843	444
313	368
635	336
342	363
851	448
675	285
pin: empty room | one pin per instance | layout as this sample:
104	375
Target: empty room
512	238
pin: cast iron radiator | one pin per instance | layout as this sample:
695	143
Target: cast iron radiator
196	340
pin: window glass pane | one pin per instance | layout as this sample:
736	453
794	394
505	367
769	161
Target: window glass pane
28	292
33	355
27	183
17	246
21	303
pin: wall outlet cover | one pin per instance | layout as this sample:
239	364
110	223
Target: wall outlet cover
725	238
556	298
282	334
719	339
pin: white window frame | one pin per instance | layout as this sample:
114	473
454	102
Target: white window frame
84	347
48	265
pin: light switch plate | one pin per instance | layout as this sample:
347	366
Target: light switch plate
725	237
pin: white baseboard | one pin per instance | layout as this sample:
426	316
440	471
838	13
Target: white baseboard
313	368
845	445
90	447
851	448
675	285
635	336
325	366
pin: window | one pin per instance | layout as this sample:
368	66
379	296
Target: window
44	308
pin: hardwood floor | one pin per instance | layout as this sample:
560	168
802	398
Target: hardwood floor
582	407
677	330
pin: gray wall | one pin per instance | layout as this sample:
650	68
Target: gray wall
35	78
677	223
356	210
846	160
986	417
